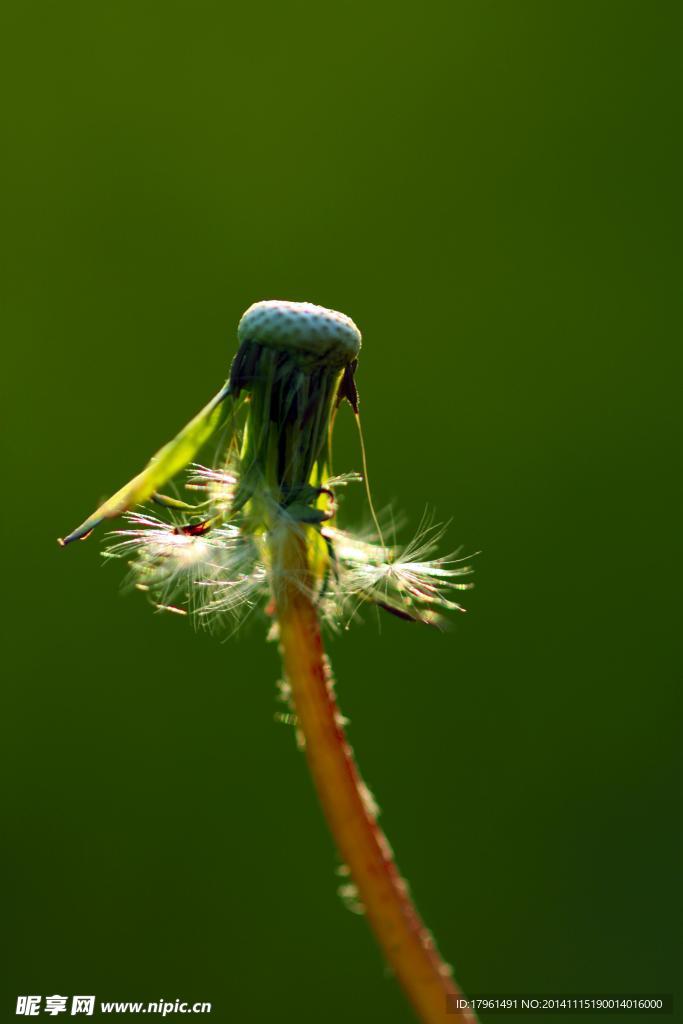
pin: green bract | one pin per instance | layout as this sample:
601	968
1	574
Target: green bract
295	363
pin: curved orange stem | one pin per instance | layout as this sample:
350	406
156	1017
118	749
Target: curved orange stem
407	945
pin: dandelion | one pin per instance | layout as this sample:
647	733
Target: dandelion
259	531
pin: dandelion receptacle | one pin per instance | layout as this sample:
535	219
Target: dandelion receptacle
257	531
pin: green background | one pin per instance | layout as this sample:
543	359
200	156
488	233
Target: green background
490	189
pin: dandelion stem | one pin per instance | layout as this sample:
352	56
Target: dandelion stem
406	943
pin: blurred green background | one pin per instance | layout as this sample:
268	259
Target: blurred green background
491	190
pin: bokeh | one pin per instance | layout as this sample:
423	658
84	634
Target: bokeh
491	190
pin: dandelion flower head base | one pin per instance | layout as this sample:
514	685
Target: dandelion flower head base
301	327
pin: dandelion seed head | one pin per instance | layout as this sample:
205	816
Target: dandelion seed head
221	555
